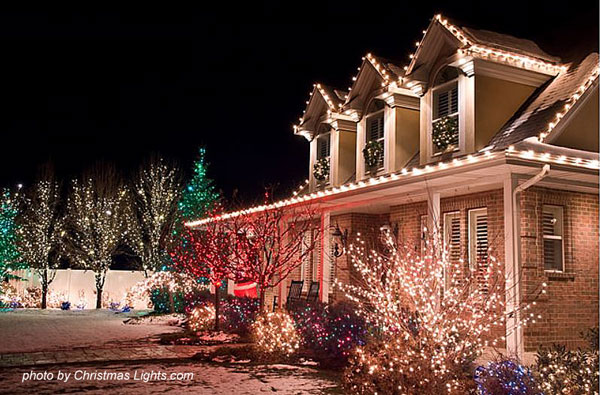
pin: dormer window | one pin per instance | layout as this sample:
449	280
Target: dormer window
322	167
445	118
374	149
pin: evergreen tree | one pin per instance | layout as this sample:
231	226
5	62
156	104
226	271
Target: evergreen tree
10	258
200	196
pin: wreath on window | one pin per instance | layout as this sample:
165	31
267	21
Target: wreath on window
373	152
321	169
444	132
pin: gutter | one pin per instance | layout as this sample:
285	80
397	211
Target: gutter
517	256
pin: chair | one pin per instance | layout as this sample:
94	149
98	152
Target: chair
294	294
313	292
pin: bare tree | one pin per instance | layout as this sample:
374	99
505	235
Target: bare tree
97	217
41	227
156	191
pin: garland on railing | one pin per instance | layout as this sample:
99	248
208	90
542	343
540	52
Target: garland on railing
321	169
444	132
373	152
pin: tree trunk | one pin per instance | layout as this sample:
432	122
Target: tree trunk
261	299
44	295
44	288
171	301
98	298
216	308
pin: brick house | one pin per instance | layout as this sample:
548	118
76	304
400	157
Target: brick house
483	134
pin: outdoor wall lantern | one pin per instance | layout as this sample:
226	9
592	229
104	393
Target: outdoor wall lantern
342	237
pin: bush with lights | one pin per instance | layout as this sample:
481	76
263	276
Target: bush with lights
275	335
238	314
569	371
201	318
329	332
505	377
435	316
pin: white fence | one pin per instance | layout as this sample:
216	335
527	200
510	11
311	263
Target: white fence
80	284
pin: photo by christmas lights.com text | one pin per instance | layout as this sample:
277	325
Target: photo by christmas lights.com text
104	375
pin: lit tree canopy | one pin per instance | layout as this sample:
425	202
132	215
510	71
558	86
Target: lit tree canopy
199	197
270	244
41	228
97	213
156	191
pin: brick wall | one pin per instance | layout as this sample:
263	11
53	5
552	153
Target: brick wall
571	303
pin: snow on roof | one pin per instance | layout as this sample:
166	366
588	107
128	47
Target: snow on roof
541	109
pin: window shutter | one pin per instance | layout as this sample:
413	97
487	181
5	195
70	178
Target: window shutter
552	228
478	245
423	233
447	102
332	266
375	128
453	94
452	236
316	260
323	147
305	268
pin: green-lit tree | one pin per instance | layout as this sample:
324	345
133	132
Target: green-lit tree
10	259
200	195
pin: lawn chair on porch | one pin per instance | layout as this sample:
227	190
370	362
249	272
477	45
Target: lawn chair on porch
313	292
294	294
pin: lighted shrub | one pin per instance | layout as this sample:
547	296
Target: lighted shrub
238	314
505	377
397	366
329	332
201	318
567	371
275	334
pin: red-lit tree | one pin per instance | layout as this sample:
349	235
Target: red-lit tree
270	244
205	252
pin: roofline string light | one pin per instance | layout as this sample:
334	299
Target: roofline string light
570	103
405	173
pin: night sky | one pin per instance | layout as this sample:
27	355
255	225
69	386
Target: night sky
117	85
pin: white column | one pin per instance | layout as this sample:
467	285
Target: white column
325	256
512	252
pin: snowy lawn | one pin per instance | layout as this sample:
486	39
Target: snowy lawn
29	330
202	378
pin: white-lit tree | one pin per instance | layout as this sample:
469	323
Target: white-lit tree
41	227
435	315
97	215
156	191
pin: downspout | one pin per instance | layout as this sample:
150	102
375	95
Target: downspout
516	253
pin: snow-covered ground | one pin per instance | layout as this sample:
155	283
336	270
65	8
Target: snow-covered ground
201	378
28	330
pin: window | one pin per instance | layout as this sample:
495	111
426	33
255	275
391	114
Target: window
375	134
445	118
478	244
552	225
316	260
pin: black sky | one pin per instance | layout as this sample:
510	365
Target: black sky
116	85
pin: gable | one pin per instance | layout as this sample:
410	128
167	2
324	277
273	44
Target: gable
581	131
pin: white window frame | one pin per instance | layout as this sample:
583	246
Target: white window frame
307	261
561	237
434	91
472	219
377	114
